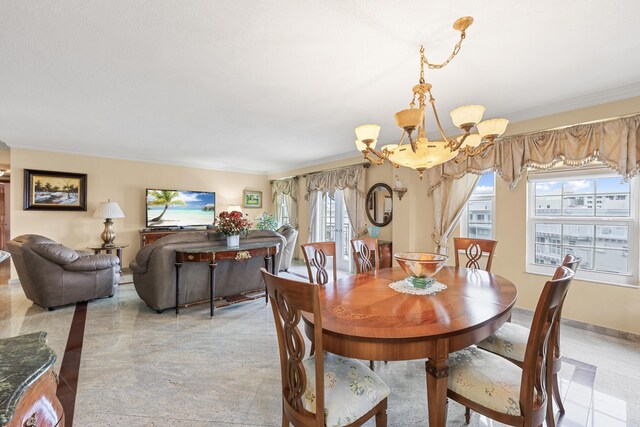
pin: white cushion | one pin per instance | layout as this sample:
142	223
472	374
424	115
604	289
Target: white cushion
508	341
350	389
485	378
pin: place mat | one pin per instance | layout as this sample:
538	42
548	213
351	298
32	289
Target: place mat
403	287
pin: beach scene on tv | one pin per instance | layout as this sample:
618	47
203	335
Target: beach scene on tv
168	208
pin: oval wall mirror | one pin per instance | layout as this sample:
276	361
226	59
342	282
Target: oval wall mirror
380	204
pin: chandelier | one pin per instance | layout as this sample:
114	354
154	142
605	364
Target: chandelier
420	153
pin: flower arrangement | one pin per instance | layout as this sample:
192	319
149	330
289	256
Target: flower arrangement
266	222
232	223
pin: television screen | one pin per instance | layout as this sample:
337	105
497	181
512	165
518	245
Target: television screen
173	208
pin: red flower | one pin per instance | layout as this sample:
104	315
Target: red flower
232	223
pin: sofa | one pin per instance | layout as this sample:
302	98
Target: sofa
154	271
53	275
291	234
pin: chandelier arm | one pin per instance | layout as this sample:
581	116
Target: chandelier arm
375	161
463	155
457	144
404	133
378	154
432	101
480	149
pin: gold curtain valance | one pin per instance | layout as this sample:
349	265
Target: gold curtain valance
614	143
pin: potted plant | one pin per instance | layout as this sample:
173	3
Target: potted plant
266	221
232	224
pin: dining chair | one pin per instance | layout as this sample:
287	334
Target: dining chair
473	250
510	342
315	257
362	250
348	392
499	389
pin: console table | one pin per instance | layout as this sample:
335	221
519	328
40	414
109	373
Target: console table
223	253
148	236
28	384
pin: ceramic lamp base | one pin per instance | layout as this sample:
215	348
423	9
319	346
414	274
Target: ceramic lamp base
420	282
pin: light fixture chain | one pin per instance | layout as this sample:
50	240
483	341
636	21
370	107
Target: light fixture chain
456	49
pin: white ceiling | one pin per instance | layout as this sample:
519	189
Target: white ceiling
267	86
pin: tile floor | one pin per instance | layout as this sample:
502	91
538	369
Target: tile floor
140	368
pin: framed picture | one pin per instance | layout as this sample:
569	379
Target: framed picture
251	199
55	191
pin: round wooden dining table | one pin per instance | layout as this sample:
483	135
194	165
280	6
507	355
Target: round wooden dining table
363	318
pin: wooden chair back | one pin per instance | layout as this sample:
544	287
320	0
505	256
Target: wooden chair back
362	250
533	395
315	256
288	299
572	262
473	250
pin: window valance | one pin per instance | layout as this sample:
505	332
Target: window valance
615	143
286	186
351	177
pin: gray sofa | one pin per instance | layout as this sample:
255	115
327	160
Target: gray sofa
291	234
52	275
154	272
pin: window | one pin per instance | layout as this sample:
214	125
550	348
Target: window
284	210
590	214
333	225
477	219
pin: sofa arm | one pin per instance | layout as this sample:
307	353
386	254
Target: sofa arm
137	268
93	263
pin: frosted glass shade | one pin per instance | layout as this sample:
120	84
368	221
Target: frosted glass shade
390	147
410	118
361	146
467	115
429	154
492	127
472	140
369	131
108	210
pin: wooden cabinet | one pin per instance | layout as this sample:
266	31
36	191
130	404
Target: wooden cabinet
385	253
28	384
148	236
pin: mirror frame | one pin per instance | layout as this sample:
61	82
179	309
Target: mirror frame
370	193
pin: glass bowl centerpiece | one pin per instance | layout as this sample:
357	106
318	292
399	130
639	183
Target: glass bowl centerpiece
420	266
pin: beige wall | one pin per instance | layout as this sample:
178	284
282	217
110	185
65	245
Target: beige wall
122	181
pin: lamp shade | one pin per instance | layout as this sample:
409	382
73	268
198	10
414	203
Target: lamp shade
492	127
232	208
369	131
410	118
108	210
467	115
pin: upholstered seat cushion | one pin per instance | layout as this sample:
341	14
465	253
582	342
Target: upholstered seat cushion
509	341
350	389
485	378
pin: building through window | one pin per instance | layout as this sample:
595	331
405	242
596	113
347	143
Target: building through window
477	221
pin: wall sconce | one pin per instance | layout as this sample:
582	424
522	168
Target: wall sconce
398	188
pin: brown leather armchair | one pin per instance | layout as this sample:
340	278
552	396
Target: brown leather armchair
52	274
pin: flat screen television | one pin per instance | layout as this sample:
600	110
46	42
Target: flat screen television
176	208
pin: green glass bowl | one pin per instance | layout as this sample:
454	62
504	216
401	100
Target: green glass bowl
420	266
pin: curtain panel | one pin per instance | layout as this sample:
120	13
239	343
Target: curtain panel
614	143
286	188
351	181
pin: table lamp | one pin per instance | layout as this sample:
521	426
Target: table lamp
232	208
108	210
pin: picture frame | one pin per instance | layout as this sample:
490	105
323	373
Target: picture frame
252	199
54	191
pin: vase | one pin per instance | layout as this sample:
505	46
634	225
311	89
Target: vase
233	241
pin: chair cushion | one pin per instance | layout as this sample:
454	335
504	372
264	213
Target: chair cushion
486	378
55	252
350	389
509	341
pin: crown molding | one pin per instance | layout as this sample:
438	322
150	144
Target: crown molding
137	159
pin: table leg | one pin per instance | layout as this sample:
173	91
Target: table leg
212	284
178	266
267	258
119	253
437	379
96	251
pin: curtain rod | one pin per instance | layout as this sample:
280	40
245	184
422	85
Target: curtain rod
365	165
625	116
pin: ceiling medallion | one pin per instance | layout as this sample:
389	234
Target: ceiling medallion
420	153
